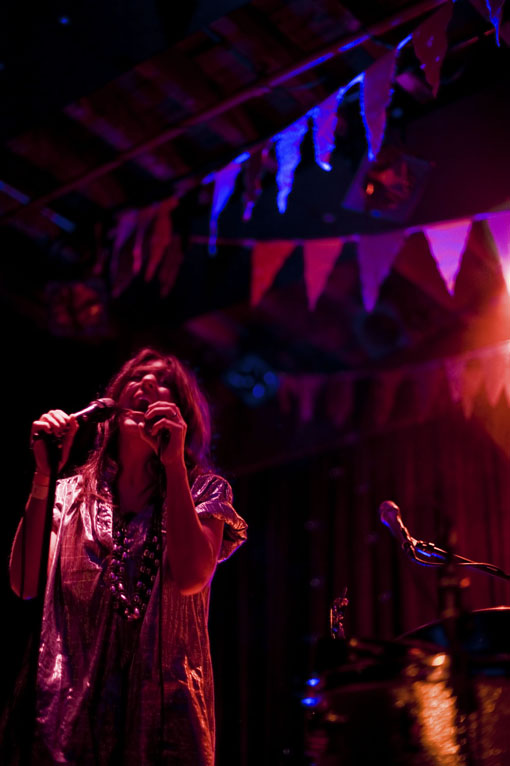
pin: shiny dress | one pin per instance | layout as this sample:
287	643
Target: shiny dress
112	691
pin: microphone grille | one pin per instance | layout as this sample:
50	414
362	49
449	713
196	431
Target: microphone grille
104	409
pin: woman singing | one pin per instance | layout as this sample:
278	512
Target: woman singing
124	674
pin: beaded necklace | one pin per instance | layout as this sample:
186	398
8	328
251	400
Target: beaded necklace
133	608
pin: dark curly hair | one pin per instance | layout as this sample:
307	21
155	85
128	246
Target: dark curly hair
100	469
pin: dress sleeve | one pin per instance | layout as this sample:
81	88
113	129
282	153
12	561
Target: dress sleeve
65	493
213	499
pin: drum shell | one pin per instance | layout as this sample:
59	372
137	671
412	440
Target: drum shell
419	707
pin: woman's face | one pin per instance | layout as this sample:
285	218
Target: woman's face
148	383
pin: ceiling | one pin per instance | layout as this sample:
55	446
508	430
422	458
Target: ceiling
110	107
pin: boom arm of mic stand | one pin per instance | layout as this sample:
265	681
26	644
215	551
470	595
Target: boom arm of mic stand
428	554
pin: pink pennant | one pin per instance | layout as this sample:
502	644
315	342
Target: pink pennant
427	380
454	368
303	390
287	391
430	44
325	118
224	182
288	155
376	254
161	237
319	259
447	242
339	398
376	91
170	266
497	372
144	220
472	381
385	389
121	263
267	259
499	226
309	386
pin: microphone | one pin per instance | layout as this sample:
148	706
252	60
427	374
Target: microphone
97	411
389	513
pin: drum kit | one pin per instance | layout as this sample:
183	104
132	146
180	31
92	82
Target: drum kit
436	696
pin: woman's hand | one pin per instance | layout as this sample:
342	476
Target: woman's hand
164	429
60	425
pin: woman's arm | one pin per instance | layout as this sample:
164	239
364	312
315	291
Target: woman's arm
192	545
25	556
25	560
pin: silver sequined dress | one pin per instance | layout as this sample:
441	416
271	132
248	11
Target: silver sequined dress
117	692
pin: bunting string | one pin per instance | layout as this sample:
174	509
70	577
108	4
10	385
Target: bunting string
147	234
466	376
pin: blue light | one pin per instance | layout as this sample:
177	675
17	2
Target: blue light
258	391
310	701
59	220
64	20
270	378
313	681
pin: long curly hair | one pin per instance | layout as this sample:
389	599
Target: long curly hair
101	467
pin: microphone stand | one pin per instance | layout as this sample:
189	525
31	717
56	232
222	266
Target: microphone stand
429	554
53	448
452	612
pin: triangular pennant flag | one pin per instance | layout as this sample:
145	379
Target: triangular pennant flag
307	391
499	227
224	182
376	254
143	222
495	8
472	380
266	260
121	270
325	118
170	266
454	369
102	252
506	385
385	387
161	237
288	154
286	392
319	257
426	385
496	368
447	242
339	398
253	171
430	44
376	91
